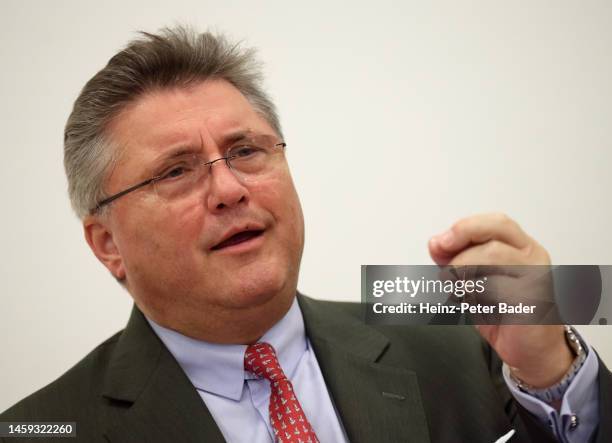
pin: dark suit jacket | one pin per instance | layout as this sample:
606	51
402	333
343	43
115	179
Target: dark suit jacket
388	383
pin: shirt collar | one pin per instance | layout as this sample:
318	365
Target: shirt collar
219	368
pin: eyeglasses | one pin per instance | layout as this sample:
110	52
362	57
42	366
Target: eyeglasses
249	160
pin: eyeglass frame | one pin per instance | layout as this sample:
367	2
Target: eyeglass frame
112	198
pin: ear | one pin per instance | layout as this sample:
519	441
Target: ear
99	236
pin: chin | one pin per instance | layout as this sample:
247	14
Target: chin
253	289
260	291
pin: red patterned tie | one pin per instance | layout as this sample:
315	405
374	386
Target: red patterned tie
286	416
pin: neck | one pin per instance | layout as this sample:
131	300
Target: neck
221	325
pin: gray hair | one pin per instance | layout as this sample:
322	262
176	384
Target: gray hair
174	57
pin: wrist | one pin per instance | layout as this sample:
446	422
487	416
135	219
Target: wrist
549	368
553	393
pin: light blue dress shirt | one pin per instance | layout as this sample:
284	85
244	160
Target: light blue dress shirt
238	402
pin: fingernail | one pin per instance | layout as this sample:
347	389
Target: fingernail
446	239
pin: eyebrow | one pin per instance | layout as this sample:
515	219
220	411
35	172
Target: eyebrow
172	154
229	139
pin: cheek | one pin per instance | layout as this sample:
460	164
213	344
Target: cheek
281	200
166	232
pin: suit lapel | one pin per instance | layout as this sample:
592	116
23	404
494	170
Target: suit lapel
376	402
162	404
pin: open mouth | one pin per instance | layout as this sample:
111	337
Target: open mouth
238	238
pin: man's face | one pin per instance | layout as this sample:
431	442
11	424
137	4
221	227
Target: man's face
168	249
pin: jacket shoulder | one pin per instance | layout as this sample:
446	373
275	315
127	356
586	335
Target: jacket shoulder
71	396
453	337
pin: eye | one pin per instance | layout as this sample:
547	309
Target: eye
244	151
176	171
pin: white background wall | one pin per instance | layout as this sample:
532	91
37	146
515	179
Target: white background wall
400	118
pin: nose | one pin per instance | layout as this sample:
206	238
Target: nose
226	190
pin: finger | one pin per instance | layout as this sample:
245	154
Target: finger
491	253
437	253
478	229
491	250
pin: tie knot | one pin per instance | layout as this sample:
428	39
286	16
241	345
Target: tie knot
261	360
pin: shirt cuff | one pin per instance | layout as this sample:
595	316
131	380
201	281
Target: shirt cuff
578	416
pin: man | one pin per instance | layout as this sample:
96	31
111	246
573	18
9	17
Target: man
175	163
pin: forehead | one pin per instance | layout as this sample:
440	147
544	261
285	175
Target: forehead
202	113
